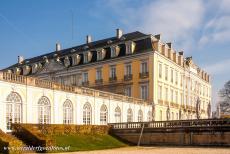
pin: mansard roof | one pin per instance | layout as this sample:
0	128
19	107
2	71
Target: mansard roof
142	41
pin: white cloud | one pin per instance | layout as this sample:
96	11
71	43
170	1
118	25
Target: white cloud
219	68
175	20
217	29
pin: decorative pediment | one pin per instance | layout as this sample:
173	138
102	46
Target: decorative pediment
52	66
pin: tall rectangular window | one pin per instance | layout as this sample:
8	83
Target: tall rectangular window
144	67
113	71
128	69
181	80
85	77
159	92
144	92
171	75
85	57
128	91
176	96
176	77
99	55
181	98
166	94
160	70
171	95
186	99
166	73
99	74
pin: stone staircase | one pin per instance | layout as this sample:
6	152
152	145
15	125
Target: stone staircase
10	144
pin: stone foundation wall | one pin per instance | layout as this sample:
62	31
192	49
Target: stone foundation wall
177	138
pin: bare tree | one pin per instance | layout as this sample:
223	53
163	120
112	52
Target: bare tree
225	98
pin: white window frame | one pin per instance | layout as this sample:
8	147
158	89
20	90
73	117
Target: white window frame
128	91
87	114
117	114
67	112
98	73
128	69
129	115
160	70
13	110
113	71
103	115
140	116
85	77
144	91
44	110
144	67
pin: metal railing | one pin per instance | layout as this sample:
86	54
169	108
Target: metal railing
174	124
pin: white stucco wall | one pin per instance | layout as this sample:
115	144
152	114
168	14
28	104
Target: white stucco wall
30	96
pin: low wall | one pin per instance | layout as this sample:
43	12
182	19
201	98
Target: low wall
177	138
210	132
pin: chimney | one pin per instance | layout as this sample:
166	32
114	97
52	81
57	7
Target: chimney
20	59
181	53
169	44
88	39
58	46
119	33
158	36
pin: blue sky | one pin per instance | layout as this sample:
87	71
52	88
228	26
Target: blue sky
201	28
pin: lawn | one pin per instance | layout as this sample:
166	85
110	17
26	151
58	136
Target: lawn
87	142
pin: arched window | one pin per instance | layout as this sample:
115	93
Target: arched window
140	116
149	116
87	114
44	110
118	114
13	109
129	115
67	112
103	115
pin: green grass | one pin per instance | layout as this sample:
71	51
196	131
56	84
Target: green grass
87	142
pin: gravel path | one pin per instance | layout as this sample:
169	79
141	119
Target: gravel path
160	150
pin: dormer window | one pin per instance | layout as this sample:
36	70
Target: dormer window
66	61
130	47
87	57
17	71
101	54
76	59
9	71
26	70
34	68
46	59
115	50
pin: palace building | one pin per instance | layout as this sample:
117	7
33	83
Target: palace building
133	64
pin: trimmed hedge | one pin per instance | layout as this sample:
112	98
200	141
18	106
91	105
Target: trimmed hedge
42	134
44	130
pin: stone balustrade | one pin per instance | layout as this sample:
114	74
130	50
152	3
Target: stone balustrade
19	79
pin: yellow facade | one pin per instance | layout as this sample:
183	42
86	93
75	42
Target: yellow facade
182	93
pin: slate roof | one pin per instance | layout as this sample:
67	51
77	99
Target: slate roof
142	45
